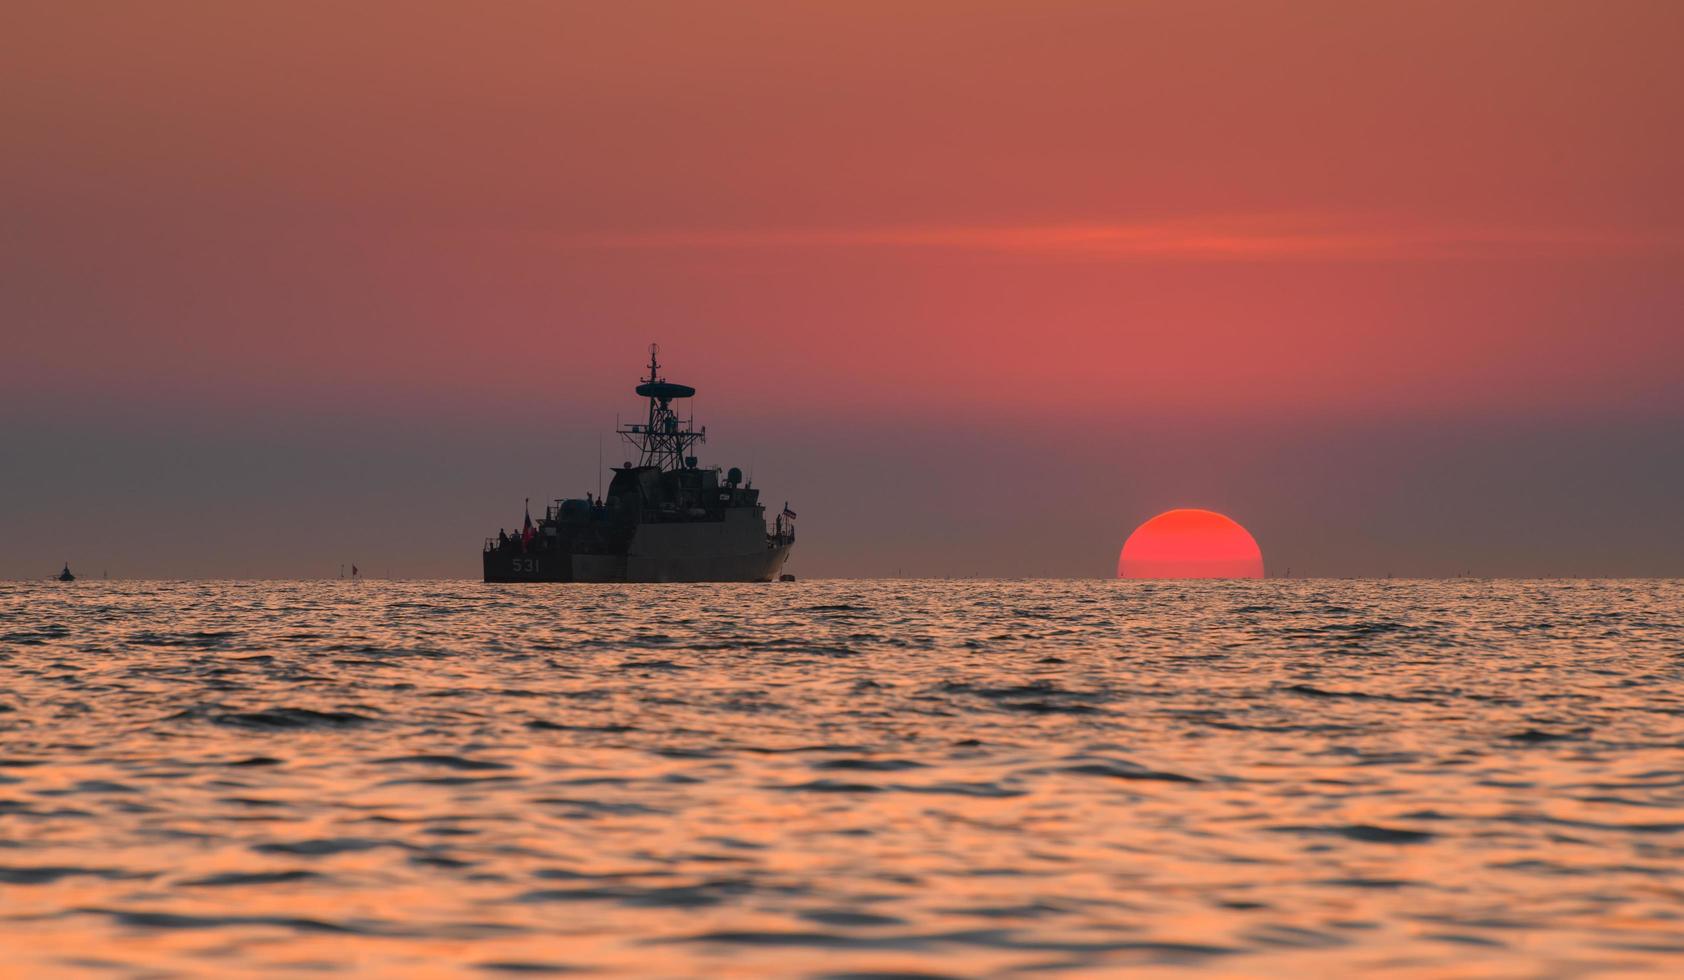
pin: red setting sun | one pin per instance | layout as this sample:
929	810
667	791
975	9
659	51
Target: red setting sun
1190	544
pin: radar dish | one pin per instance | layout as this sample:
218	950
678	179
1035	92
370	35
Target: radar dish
665	390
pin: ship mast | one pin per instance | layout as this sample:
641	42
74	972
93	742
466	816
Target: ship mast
666	439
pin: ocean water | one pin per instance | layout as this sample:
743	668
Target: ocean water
842	779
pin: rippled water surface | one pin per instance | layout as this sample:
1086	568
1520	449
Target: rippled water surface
841	778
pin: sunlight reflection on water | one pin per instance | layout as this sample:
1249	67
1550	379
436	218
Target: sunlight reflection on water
841	778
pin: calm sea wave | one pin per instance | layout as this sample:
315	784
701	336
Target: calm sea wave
842	779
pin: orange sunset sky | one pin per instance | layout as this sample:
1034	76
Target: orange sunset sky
978	287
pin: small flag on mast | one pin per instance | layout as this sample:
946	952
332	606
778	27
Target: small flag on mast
787	512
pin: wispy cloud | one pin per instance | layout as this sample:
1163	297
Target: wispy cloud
1243	238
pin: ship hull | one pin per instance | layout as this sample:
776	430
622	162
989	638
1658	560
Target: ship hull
761	566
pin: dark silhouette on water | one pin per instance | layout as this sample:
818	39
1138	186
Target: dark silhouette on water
664	518
66	576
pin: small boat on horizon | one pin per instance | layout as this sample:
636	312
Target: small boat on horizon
66	576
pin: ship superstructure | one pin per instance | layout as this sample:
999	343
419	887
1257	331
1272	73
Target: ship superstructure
664	518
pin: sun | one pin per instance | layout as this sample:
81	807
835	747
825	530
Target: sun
1190	544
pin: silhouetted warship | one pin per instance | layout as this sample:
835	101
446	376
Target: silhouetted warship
663	519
